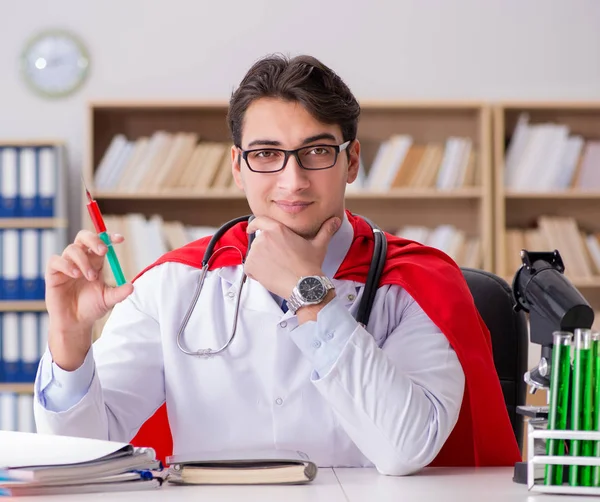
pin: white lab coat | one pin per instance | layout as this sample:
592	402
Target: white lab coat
390	399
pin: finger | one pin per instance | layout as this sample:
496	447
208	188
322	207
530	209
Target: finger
262	223
325	233
116	238
112	296
83	261
59	265
90	240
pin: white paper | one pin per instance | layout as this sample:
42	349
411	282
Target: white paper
22	449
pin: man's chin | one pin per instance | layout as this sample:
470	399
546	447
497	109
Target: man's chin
307	230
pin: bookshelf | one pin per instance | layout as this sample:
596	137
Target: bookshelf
17	388
468	208
33	226
577	199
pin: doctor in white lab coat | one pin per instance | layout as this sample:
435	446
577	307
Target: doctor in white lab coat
313	380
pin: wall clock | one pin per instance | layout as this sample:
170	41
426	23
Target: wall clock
55	63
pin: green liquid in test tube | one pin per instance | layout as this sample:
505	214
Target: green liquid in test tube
559	401
581	376
587	418
596	357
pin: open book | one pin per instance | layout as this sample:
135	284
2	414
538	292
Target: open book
258	467
47	464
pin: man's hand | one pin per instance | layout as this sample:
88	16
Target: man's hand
279	257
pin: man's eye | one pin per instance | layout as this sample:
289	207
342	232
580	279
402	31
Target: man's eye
264	154
320	150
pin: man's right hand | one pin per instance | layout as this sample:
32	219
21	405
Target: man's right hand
77	296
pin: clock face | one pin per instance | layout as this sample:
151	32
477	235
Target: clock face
311	289
55	63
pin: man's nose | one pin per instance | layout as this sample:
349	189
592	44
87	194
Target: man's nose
293	177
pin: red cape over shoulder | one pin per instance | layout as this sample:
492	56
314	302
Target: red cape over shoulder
483	435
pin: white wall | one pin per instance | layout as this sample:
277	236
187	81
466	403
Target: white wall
177	49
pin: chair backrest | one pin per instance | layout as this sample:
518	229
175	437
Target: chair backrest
508	330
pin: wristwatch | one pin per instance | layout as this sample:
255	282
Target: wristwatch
310	290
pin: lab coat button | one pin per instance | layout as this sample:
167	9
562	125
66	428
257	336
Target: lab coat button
329	336
231	294
279	401
316	344
282	324
351	298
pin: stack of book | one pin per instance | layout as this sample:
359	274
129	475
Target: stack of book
164	162
547	157
40	464
183	163
401	162
579	250
464	249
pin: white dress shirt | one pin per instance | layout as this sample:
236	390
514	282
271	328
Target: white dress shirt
386	396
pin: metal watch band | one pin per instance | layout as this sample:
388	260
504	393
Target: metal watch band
295	301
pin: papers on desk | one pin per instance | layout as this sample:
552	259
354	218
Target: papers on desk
259	467
32	464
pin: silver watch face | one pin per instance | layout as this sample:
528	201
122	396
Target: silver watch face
311	289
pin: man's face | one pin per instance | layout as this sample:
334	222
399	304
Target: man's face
300	199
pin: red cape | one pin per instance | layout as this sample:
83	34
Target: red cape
483	435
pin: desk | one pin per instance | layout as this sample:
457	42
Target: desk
440	484
349	485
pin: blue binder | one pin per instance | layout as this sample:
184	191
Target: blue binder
31	285
9	182
28	189
1	350
47	181
28	346
11	266
11	346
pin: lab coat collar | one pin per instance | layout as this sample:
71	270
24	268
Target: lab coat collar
338	247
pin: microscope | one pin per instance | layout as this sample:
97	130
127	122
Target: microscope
554	304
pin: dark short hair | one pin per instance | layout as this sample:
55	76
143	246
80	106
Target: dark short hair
302	79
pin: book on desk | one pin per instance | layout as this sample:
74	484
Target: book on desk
242	467
40	464
43	464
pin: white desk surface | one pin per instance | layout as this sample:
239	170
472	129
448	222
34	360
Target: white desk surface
350	485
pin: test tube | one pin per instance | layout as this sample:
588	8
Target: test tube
587	418
581	376
560	375
596	357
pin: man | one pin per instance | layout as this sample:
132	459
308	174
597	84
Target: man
415	387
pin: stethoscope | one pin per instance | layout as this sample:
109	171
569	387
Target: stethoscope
364	307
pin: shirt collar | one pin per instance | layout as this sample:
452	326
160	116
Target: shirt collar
338	247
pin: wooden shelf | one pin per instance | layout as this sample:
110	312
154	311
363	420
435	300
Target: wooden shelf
33	223
32	142
563	194
521	209
469	209
19	388
23	306
463	193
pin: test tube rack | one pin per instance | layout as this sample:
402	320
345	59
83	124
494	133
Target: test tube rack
535	459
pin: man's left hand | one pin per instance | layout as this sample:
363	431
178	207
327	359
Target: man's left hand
278	256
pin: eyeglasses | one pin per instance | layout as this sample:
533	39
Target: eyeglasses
312	158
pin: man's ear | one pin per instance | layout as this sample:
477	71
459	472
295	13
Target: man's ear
236	160
353	161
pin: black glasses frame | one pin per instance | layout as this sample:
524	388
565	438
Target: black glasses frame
295	153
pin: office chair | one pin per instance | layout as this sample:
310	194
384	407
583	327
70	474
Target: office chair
508	330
